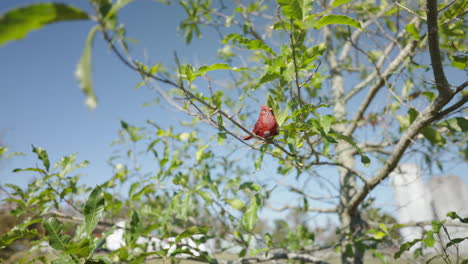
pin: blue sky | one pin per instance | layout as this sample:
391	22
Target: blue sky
41	104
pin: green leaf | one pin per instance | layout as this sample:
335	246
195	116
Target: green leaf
258	162
267	77
413	113
18	190
217	66
191	231
83	71
93	209
31	169
14	234
406	246
454	215
455	241
365	160
250	44
281	116
199	153
188	71
116	7
337	3
251	186
268	240
431	96
306	110
461	57
458	124
434	136
337	19
17	23
3	150
42	155
379	255
296	9
53	229
429	239
411	29
132	131
250	217
82	249
236	203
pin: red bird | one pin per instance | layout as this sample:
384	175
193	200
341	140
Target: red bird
266	126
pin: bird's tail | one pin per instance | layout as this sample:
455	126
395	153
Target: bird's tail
247	137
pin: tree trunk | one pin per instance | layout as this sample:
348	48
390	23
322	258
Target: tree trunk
350	221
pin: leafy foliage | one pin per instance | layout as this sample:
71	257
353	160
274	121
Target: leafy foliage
174	190
17	23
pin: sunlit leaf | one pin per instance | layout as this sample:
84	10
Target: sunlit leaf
337	19
199	153
296	9
412	30
429	239
250	217
93	209
236	203
17	23
337	3
191	231
83	71
254	44
117	6
42	155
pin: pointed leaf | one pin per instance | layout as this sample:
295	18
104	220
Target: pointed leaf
42	155
53	229
250	217
254	44
83	71
337	3
17	23
93	209
116	7
191	231
236	203
337	19
296	9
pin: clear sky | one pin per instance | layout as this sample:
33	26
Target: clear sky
41	104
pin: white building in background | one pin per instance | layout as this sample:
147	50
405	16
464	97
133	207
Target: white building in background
418	202
450	194
116	240
413	201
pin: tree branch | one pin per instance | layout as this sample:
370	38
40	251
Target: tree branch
272	256
407	51
133	66
374	74
433	41
297	208
357	33
424	119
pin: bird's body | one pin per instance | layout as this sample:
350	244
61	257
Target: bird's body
266	126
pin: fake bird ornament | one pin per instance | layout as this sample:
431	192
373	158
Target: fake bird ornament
266	126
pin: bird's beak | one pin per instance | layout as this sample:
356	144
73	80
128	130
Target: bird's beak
270	109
